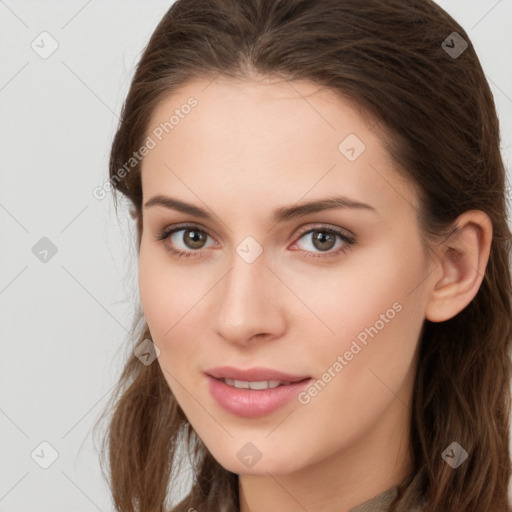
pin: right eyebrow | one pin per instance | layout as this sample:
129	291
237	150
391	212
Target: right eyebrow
278	215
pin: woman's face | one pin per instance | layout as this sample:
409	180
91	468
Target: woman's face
266	283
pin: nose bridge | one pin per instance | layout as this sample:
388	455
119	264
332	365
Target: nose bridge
248	269
246	299
244	285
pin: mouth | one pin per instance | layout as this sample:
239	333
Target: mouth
259	384
255	375
255	392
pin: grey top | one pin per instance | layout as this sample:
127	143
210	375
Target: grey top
381	502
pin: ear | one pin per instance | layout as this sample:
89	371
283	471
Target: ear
462	258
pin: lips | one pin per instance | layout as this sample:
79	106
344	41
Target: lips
253	392
256	374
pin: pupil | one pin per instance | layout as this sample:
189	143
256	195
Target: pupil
322	237
195	237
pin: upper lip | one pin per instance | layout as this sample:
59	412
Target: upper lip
255	374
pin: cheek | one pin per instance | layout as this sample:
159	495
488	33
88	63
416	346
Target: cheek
372	311
377	318
371	287
151	289
161	292
171	297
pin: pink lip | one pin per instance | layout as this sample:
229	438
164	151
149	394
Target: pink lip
253	374
253	403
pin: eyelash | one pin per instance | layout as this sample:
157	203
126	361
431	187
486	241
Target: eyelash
348	240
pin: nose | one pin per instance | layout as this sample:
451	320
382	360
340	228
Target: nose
250	303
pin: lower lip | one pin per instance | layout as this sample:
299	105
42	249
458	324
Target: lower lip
253	403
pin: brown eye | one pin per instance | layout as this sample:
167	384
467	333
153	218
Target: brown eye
185	240
193	238
323	240
188	241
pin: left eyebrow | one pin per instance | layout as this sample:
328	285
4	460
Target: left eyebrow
281	214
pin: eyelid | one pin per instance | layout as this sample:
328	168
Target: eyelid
327	227
302	230
166	231
349	238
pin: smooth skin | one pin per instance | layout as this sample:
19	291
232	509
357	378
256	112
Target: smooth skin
249	147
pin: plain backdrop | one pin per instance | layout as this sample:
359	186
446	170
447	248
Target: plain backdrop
64	320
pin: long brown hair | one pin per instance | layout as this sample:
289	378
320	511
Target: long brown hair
390	58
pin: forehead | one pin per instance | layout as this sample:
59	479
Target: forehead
265	107
273	139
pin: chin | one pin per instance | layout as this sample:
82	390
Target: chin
277	465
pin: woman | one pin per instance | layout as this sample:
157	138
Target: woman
323	263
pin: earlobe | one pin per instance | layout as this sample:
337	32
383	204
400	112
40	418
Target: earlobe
463	258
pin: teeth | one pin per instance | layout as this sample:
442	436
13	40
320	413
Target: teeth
263	384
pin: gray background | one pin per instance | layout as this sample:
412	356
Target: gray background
64	321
